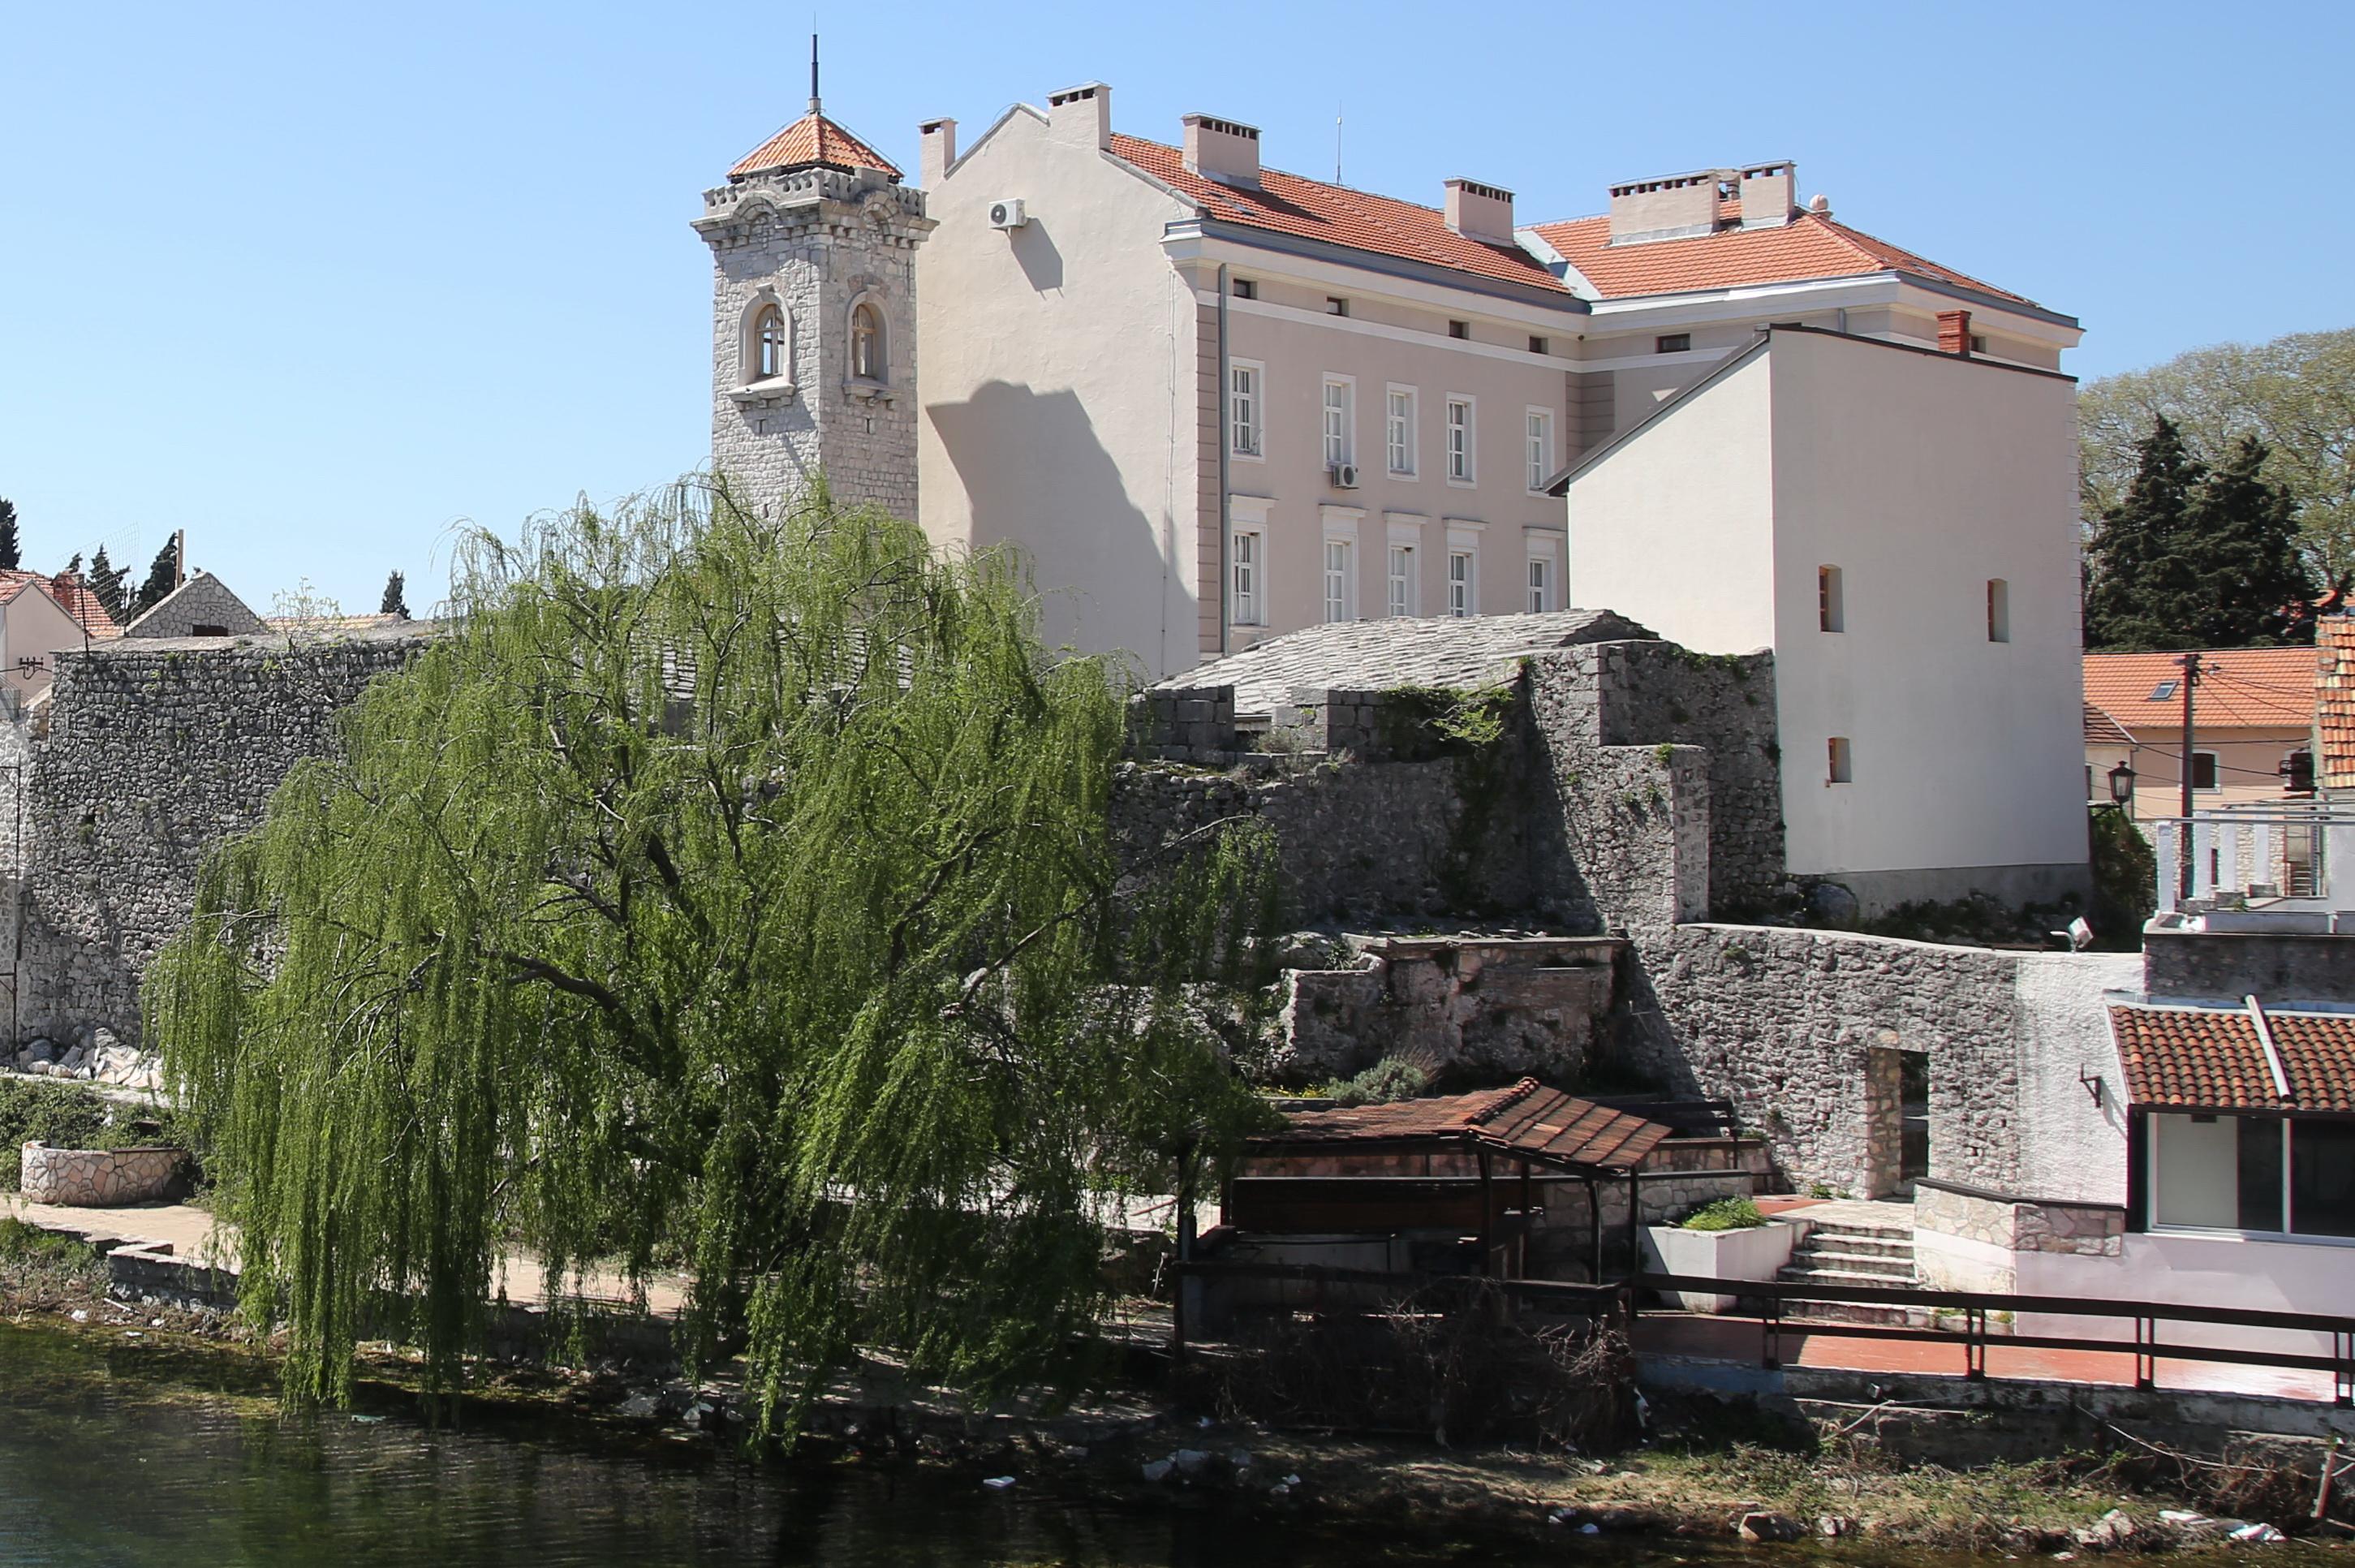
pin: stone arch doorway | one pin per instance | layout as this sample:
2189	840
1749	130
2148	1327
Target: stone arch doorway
1897	1120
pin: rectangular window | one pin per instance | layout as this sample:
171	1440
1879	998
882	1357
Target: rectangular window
1841	761
1540	585
1672	343
1402	579
1459	439
1831	611
1246	289
1998	610
2203	770
1335	305
1243	408
1461	584
1398	428
1540	450
1978	343
2322	1179
1540	345
2259	1158
1250	603
1459	329
2265	1175
1340	588
1340	418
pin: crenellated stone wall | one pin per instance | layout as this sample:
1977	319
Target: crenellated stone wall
157	750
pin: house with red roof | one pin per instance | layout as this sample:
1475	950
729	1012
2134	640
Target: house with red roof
41	617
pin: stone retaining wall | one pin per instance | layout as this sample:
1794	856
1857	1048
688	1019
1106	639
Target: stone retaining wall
2020	1225
100	1178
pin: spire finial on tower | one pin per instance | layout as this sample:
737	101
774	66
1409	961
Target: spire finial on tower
813	73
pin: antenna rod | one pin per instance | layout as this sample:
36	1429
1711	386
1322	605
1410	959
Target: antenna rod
813	73
1337	144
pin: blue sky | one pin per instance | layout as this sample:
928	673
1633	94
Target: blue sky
314	282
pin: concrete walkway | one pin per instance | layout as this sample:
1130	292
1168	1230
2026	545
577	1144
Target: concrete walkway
1824	1348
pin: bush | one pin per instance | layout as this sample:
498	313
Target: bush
1725	1214
1393	1078
66	1116
2125	880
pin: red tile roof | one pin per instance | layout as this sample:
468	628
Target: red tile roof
1810	246
2209	1059
2101	730
812	139
72	593
1312	209
2334	703
2244	688
1527	1118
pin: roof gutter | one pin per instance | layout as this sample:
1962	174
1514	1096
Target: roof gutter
2273	1057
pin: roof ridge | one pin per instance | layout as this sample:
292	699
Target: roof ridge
1506	1099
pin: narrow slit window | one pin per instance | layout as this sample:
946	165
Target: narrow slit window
1840	762
1461	583
1831	607
1402	579
1998	610
1338	587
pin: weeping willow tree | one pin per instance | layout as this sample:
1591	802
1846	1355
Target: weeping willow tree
717	894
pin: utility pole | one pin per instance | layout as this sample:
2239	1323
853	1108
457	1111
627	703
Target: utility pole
2190	679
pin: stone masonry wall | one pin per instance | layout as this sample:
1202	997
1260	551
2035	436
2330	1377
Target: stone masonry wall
157	751
100	1179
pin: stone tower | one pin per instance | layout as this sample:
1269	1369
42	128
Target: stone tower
814	317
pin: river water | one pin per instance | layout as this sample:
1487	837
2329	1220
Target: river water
115	1455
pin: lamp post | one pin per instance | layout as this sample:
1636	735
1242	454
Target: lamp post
2122	781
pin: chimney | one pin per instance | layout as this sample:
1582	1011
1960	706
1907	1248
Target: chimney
1222	150
1477	211
1082	115
1669	208
1770	194
939	138
1954	332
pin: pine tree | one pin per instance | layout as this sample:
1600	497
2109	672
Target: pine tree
163	576
73	567
395	600
106	584
12	554
2195	558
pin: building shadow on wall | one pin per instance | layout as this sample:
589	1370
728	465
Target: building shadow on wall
1036	475
1035	253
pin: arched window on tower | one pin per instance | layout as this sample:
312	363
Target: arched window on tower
867	343
771	347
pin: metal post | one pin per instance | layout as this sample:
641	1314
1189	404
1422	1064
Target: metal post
1487	1217
1522	1251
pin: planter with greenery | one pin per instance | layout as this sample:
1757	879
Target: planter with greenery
1728	1238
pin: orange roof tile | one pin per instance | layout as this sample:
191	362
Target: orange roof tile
2101	730
73	595
2241	688
2334	702
1527	1118
812	139
1312	209
2209	1058
1810	246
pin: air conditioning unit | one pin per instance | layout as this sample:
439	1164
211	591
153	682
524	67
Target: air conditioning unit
1345	475
1007	214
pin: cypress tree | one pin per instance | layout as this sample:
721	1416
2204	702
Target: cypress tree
395	600
12	553
106	583
2258	590
163	576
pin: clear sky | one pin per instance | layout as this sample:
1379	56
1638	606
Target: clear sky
312	282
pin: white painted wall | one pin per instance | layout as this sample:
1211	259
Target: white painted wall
2071	1145
1058	389
2196	1271
34	625
1922	476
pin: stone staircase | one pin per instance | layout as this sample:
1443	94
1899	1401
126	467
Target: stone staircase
1851	1252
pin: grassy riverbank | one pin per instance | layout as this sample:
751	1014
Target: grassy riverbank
1703	1468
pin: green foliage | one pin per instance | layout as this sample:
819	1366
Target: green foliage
720	890
106	584
2195	556
163	576
1725	1214
11	548
1393	1078
2295	395
1439	721
71	1115
396	597
2125	880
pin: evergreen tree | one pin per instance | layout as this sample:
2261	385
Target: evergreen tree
801	960
163	576
106	583
395	600
74	566
12	554
2191	557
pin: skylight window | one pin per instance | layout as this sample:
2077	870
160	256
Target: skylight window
2163	691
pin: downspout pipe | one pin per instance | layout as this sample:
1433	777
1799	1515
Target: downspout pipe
1226	390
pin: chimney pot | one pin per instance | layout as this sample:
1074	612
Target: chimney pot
1222	150
1082	115
1669	207
1477	211
1769	193
1954	332
939	150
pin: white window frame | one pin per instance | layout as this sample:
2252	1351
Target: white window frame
749	349
1463	593
1544	583
1341	435
1339	581
1258	374
1247	598
1469	475
2215	784
1403	532
2156	1186
1393	447
1537	431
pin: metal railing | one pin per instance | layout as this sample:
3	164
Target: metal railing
2236	853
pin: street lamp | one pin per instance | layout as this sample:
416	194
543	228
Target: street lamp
2122	778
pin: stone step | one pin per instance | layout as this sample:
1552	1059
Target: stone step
1799	1275
1863	1246
1813	1258
1855	1312
1847	1228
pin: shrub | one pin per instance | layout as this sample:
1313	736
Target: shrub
1725	1214
66	1116
1393	1078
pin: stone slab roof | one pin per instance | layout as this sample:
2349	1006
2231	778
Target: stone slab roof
1527	1119
1462	653
277	640
2209	1058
